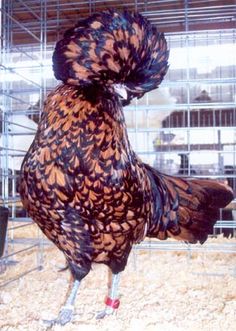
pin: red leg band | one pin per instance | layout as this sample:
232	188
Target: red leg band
113	303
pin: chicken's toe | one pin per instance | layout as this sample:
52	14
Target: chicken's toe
105	312
65	315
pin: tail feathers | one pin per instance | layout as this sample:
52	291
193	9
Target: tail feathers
200	211
191	207
112	48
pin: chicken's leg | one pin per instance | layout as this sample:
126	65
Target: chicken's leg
67	310
112	302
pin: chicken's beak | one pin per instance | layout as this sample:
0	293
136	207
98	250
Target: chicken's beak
121	91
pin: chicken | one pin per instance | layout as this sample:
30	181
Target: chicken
81	182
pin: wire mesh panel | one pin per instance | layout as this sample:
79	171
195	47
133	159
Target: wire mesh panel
194	109
22	92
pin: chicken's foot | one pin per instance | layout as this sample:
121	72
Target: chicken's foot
112	302
66	312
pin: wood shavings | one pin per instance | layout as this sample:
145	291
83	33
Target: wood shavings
165	291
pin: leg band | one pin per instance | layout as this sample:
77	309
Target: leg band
113	303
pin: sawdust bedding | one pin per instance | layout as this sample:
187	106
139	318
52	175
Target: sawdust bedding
164	291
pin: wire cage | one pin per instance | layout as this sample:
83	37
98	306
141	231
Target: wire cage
22	93
186	127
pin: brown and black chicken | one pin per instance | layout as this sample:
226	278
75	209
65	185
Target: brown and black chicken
81	181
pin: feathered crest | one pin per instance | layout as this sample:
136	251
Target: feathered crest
112	48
